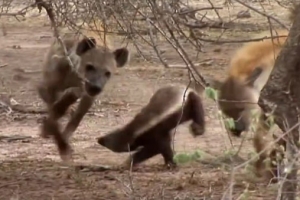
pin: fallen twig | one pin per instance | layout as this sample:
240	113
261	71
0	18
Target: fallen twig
15	138
92	168
4	65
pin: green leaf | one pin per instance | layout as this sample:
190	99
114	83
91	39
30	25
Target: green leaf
229	123
182	158
270	120
211	93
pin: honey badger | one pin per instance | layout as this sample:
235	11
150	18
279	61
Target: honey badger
62	85
149	132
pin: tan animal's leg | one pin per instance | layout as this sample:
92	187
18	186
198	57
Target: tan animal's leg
276	157
260	143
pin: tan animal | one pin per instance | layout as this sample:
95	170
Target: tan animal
150	131
63	85
249	70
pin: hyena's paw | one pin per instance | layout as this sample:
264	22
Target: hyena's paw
274	167
65	150
67	155
262	171
44	132
196	129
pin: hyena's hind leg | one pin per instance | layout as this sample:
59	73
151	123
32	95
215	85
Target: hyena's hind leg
48	95
197	114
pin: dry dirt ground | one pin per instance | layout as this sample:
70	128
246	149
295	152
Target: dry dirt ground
31	168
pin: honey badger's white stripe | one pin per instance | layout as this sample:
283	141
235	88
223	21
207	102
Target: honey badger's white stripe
181	96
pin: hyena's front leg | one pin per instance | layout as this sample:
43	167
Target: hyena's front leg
261	143
276	156
56	111
84	105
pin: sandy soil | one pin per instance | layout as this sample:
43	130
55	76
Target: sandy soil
31	168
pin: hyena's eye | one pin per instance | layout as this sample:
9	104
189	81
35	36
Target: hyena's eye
107	74
90	68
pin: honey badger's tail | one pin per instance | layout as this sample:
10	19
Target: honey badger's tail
293	10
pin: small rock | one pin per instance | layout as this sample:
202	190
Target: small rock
16	47
243	14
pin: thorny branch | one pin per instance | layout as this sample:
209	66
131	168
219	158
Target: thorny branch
150	21
49	9
5	12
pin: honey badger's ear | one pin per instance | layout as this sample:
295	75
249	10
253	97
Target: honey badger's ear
122	56
85	44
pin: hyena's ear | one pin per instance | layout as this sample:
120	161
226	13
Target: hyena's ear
122	56
85	45
250	81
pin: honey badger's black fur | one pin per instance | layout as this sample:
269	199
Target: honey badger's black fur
149	132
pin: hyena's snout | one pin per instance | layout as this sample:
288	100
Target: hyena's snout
93	89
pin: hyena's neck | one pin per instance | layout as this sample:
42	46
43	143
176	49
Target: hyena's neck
262	80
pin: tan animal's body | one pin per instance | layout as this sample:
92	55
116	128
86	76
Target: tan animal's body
63	85
249	70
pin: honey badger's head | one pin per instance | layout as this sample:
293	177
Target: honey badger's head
96	64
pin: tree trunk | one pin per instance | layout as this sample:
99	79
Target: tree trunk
283	91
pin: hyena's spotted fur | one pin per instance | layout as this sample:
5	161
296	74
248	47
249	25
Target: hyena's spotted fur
63	85
249	71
